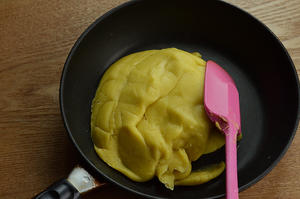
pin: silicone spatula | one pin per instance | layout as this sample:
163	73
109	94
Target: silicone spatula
221	102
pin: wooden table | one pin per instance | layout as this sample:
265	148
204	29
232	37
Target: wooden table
35	39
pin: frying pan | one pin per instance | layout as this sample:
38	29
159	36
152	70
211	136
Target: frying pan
259	64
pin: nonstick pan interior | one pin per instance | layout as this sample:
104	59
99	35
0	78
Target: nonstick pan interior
259	64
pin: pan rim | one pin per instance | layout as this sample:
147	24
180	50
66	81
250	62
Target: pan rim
132	2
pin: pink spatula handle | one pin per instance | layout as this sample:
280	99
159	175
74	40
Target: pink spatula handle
232	191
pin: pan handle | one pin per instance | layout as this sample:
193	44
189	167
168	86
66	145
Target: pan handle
79	181
60	190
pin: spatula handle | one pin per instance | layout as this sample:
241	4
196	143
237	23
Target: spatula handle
232	191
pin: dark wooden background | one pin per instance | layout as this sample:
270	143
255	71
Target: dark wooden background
35	39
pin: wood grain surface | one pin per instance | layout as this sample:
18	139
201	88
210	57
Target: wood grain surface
35	39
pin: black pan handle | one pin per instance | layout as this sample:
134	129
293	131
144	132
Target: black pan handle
59	190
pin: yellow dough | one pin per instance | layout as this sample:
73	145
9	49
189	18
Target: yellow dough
148	118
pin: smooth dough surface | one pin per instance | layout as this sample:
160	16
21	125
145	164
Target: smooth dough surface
148	118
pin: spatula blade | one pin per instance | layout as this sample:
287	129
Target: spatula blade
221	97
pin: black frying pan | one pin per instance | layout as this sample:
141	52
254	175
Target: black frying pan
261	67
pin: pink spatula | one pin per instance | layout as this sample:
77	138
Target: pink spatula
221	101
